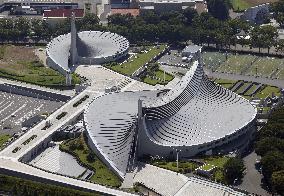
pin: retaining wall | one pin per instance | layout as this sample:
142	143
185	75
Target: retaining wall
36	93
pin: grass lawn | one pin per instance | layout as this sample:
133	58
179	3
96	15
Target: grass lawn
103	175
240	5
35	73
20	63
246	97
138	60
267	91
2	51
225	83
236	63
183	165
207	167
218	175
159	74
244	64
3	138
280	74
243	87
265	66
216	161
251	90
219	162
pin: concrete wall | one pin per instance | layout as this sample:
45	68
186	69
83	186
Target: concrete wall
100	60
147	146
29	92
30	155
43	180
55	66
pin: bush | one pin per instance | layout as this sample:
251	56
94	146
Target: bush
61	115
80	100
16	149
91	157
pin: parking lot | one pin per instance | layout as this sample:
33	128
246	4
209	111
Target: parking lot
15	109
173	58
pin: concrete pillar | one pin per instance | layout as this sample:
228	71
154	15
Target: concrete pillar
68	79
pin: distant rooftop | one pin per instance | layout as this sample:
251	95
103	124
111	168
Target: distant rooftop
133	12
170	1
63	13
191	49
38	1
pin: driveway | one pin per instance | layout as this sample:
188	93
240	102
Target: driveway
252	179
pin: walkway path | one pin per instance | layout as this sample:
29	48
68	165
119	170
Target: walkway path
168	183
240	48
54	160
23	84
272	82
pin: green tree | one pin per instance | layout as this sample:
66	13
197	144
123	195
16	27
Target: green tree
277	181
151	18
271	162
218	8
280	45
189	14
40	29
269	144
233	169
264	37
278	9
89	22
280	18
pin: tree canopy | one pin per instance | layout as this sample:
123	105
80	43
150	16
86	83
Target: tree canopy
270	145
218	8
234	169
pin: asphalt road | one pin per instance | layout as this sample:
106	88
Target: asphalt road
252	179
272	82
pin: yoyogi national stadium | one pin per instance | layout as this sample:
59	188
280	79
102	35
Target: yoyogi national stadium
196	116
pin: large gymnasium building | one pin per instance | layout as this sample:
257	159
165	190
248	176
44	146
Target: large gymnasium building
196	116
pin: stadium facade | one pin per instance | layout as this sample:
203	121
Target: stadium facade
195	116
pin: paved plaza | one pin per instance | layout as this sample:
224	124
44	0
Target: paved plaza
170	183
54	160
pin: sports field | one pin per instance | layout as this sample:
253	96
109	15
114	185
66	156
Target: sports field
241	5
244	64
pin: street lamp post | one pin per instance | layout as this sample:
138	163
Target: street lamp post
178	151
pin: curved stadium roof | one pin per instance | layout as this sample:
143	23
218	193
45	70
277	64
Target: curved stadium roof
196	111
95	44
